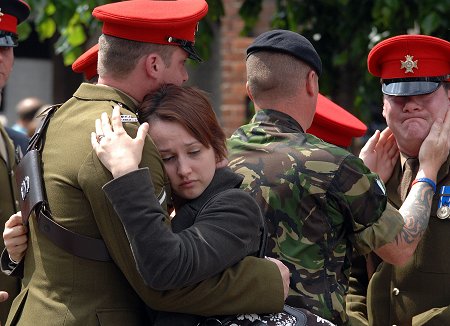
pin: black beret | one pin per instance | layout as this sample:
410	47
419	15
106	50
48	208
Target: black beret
284	41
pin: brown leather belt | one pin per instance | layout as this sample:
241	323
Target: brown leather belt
73	243
32	198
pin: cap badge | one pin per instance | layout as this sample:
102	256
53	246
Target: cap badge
409	64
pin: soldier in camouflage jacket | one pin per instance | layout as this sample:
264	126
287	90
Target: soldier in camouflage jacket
319	200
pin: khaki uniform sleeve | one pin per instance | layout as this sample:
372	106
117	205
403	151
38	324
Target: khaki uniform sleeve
381	232
433	317
356	307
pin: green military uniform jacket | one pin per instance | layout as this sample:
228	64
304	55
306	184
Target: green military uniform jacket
62	289
8	205
319	201
417	293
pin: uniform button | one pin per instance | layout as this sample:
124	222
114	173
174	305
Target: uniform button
12	173
395	291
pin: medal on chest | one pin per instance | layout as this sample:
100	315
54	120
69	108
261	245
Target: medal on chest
443	211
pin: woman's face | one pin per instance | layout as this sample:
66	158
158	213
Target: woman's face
189	164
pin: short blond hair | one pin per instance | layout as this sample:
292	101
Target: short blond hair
273	74
117	57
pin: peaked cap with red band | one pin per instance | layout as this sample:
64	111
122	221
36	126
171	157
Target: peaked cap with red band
12	13
87	63
410	64
334	124
162	22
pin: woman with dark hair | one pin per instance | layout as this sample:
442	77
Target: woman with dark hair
216	224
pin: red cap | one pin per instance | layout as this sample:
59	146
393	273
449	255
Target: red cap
12	13
334	124
87	63
410	64
161	22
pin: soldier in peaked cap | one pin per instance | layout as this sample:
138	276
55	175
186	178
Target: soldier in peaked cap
415	75
87	64
144	44
334	124
12	13
319	200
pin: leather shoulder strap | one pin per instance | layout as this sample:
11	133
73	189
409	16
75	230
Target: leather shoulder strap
31	184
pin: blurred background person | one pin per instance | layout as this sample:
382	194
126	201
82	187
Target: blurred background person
26	110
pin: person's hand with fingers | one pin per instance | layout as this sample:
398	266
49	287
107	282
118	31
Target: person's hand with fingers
435	148
285	274
380	153
15	237
117	151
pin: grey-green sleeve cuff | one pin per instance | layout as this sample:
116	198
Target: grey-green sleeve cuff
383	231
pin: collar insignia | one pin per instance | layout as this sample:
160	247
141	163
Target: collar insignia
128	118
409	64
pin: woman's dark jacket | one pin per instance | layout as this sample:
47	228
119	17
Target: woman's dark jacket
210	233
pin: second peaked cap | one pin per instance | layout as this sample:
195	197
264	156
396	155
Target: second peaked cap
87	63
162	22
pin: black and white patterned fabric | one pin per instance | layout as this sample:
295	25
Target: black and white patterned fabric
288	317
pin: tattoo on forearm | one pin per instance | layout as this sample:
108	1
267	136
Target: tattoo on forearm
416	214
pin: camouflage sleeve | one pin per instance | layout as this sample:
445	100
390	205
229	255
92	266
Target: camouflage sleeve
362	196
8	267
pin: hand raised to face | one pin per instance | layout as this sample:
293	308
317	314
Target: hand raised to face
117	151
380	153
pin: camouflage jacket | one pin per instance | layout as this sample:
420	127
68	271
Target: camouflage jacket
319	201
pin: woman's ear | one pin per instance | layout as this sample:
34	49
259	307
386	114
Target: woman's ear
221	163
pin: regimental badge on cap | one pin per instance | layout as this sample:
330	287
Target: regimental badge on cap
409	64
